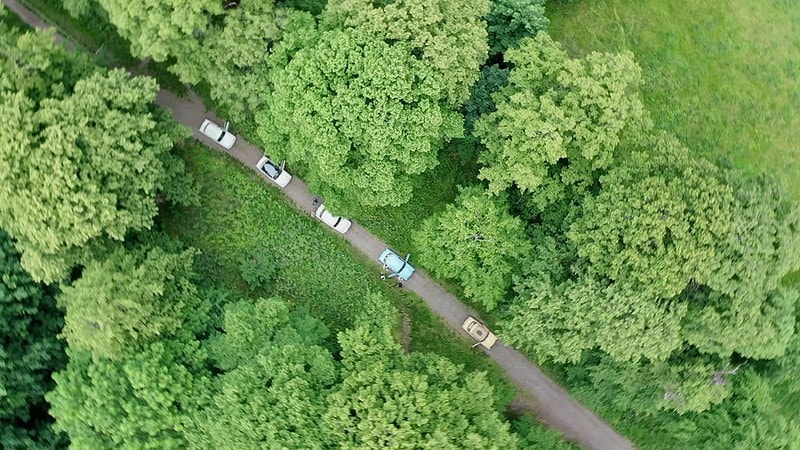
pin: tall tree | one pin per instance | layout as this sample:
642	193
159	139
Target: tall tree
560	321
84	168
144	400
681	230
476	241
29	352
369	106
559	120
275	376
129	298
236	56
159	29
34	65
658	222
449	36
388	399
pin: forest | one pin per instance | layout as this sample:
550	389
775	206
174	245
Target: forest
155	295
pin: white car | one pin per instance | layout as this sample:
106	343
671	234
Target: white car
479	332
274	172
218	134
339	224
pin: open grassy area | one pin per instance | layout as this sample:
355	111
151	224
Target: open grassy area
240	212
723	75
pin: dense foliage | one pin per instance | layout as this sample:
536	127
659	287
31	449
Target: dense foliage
388	399
559	120
476	241
85	154
652	280
29	352
368	107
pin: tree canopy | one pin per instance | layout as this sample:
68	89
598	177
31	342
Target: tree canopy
83	161
129	298
388	399
673	270
143	400
476	241
275	377
235	56
159	29
559	120
368	107
509	21
29	352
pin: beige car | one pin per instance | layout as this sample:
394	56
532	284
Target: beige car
479	332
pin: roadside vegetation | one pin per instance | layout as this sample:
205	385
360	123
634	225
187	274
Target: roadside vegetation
156	332
615	192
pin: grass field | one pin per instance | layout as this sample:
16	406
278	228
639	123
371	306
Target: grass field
723	75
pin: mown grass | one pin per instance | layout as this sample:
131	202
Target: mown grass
724	76
240	213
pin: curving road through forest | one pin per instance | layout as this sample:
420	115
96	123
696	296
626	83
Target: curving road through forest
552	404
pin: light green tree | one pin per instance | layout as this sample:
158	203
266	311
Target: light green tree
447	36
129	298
561	321
85	168
235	57
659	221
160	29
388	399
35	66
686	383
475	241
559	120
368	107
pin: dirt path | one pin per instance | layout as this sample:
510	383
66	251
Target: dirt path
548	400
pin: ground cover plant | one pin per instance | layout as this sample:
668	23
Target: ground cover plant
722	76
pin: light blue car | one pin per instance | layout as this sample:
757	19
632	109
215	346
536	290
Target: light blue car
398	266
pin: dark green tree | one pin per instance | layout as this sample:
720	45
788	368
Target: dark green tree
511	20
29	352
480	103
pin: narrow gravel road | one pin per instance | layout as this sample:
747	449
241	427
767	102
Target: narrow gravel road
553	404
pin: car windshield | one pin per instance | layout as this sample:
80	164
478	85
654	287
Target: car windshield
269	169
221	135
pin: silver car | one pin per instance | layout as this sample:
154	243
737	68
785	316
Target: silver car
339	224
218	134
274	172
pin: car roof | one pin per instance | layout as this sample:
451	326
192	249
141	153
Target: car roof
396	264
